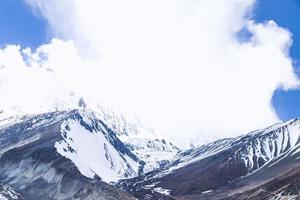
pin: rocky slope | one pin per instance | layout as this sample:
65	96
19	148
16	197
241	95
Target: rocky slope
228	168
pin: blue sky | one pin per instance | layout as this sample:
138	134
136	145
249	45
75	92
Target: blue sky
287	14
19	26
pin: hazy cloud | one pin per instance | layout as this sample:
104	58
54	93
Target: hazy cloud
177	64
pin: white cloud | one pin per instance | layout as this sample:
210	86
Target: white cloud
175	63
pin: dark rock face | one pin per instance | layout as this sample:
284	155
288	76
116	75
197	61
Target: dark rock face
30	164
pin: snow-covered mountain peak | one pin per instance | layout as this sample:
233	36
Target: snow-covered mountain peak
252	150
124	125
99	141
276	127
95	149
155	152
285	134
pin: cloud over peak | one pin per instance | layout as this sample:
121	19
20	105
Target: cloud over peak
177	64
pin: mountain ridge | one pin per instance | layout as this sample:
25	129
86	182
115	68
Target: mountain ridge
52	151
198	173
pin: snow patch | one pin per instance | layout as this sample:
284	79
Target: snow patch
7	193
207	191
162	191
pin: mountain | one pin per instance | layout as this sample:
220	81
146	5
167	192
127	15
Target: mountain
41	155
64	155
130	130
262	164
89	152
154	151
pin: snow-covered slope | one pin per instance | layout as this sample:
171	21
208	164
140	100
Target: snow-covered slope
254	149
190	156
140	139
155	153
95	149
86	140
8	193
263	146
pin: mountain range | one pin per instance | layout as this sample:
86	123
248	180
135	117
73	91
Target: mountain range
86	153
